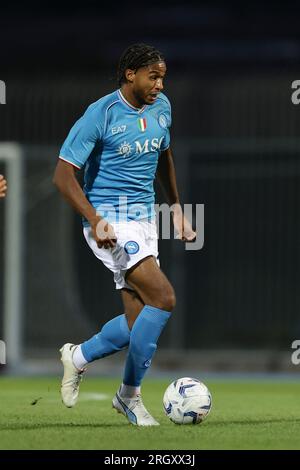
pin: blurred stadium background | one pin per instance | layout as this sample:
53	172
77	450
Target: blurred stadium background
236	145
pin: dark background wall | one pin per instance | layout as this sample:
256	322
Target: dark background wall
235	134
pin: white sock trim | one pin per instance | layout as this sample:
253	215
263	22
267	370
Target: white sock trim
79	360
129	391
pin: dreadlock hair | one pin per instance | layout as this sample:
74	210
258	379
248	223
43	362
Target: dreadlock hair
137	56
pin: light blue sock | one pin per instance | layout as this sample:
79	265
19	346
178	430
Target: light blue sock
113	337
143	338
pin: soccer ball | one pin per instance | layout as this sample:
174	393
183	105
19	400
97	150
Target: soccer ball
187	401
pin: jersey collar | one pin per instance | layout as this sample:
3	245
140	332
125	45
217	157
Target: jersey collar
139	110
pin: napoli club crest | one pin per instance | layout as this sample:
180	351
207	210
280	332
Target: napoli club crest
131	247
162	121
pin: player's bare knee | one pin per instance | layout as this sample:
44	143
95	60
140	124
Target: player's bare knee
170	301
166	300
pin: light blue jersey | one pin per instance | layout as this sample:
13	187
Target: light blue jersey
119	146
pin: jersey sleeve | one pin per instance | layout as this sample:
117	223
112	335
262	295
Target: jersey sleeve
167	113
82	138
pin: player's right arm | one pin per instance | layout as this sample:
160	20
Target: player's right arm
3	186
66	182
73	155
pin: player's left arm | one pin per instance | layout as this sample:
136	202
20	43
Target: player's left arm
3	186
166	176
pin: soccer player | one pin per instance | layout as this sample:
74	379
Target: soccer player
123	141
3	186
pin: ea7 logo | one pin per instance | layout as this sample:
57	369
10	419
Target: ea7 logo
2	92
148	145
118	129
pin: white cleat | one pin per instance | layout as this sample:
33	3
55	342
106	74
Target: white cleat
72	376
134	410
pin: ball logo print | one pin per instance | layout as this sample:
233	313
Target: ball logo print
187	401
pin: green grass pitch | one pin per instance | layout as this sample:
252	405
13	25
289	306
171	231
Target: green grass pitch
245	415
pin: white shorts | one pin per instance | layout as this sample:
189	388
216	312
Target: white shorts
136	240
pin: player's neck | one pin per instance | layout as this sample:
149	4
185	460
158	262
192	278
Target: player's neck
129	96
